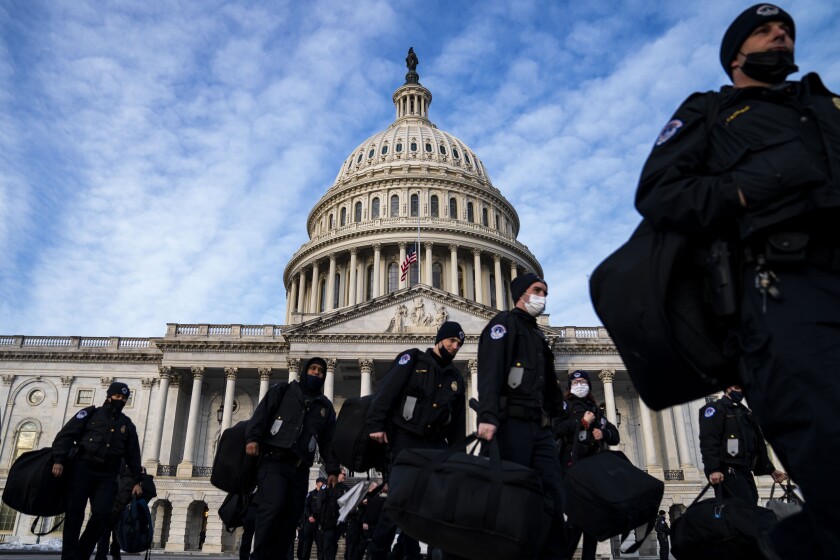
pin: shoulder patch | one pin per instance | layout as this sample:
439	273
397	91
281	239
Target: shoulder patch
497	332
837	102
82	414
404	359
454	386
565	405
709	412
668	131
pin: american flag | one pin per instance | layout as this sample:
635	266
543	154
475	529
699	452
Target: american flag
410	257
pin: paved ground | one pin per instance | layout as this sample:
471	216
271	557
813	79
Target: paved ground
53	555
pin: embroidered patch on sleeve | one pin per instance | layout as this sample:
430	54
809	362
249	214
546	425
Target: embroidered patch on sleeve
709	412
497	332
82	414
404	359
668	131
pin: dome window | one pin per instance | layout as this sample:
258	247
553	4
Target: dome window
453	208
384	149
455	153
442	149
343	220
414	146
398	148
428	147
359	159
434	206
357	212
374	208
466	157
470	213
371	153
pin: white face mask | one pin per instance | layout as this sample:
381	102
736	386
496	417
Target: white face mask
535	305
580	391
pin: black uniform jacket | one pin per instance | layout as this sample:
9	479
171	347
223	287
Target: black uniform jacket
729	437
421	396
104	437
570	428
662	529
780	146
516	366
298	423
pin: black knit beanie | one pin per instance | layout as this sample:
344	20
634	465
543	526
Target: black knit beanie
745	24
522	283
448	330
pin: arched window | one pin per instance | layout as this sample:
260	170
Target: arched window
453	208
413	146
343	221
484	217
470	213
336	290
399	147
492	290
414	274
429	147
466	157
498	222
437	275
415	205
442	149
369	283
374	209
395	206
332	221
433	206
392	278
357	213
322	296
461	286
26	439
384	149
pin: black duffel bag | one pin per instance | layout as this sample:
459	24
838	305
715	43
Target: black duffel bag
718	528
606	495
31	487
233	470
467	505
353	447
234	510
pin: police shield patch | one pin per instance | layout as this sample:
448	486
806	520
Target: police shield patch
497	332
82	414
454	386
709	412
767	10
668	131
404	359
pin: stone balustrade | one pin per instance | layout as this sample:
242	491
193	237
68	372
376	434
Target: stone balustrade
73	342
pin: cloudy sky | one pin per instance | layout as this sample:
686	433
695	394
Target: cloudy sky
158	159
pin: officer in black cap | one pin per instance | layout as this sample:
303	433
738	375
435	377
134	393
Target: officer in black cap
290	421
419	404
89	449
662	532
758	166
309	521
519	393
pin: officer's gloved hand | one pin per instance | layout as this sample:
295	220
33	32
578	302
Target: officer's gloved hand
776	179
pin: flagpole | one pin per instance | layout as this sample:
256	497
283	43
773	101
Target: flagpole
418	238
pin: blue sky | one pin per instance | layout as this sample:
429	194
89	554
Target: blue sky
158	159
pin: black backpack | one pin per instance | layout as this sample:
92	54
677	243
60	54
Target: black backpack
31	487
233	470
351	441
134	529
234	510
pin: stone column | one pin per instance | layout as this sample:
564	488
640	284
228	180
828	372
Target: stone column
265	381
366	367
153	460
472	417
500	285
651	464
513	274
230	392
290	307
428	269
402	283
329	379
607	376
185	467
313	301
301	292
330	304
479	291
689	470
294	368
8	380
377	269
351	292
453	269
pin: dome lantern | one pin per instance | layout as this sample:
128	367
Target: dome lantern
412	100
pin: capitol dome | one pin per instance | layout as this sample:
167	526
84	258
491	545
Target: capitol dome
410	176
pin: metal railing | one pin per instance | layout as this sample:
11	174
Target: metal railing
167	470
677	474
202	472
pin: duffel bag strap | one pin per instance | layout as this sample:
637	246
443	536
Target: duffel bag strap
43	519
639	542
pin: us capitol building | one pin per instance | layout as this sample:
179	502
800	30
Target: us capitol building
346	302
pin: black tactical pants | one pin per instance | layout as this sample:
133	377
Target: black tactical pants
791	375
526	443
280	497
664	548
738	482
101	489
306	538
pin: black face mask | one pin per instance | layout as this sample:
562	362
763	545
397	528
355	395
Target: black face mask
311	384
116	406
736	396
445	356
771	67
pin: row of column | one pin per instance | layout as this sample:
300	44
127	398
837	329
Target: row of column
310	275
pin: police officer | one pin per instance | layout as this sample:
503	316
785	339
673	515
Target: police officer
733	447
419	404
309	521
582	434
289	422
519	392
759	164
662	532
97	439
